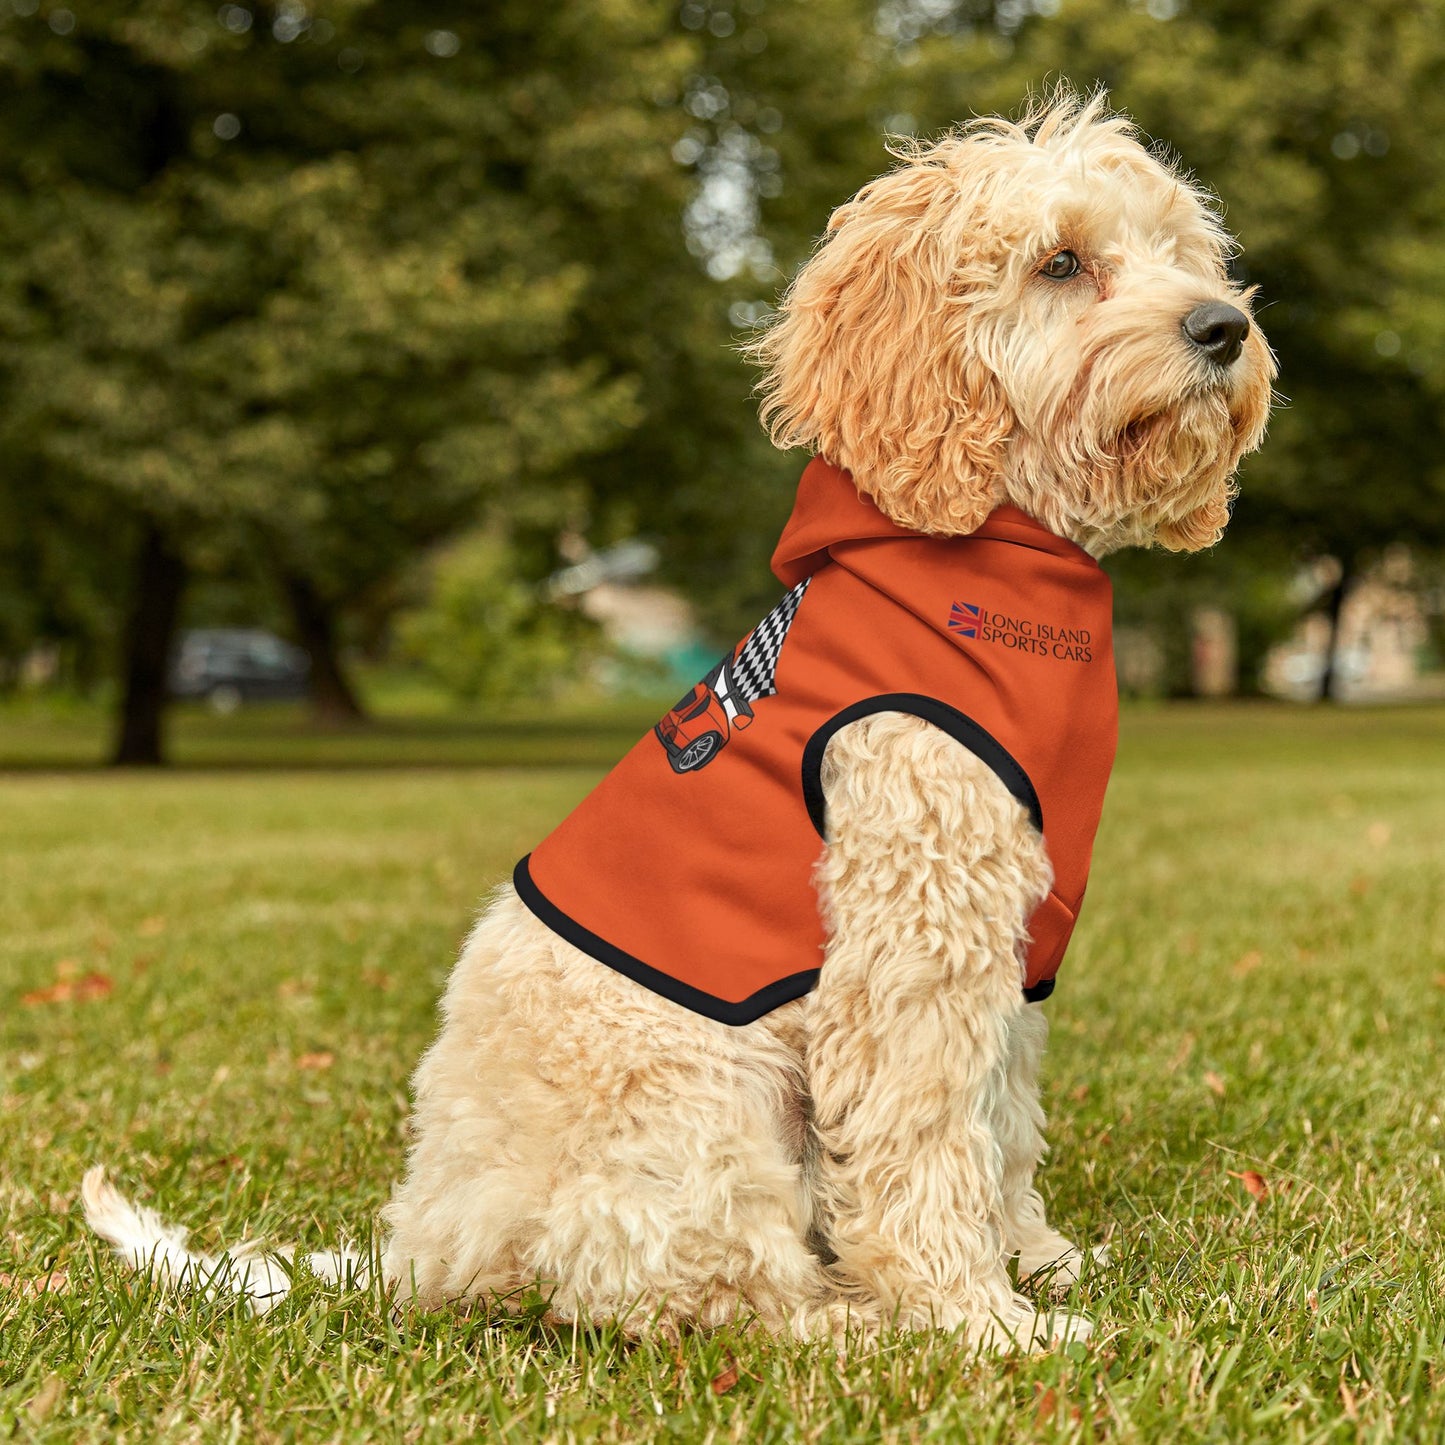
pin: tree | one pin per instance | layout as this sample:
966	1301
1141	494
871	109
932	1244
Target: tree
763	152
292	283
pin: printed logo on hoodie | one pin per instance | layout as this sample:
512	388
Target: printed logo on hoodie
973	622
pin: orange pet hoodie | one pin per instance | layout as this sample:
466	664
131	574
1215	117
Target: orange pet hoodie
689	867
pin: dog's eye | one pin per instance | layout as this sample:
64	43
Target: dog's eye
1060	266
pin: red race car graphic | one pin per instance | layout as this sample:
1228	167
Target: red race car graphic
695	731
698	728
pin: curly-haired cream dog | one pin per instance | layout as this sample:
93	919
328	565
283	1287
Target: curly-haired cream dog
695	1067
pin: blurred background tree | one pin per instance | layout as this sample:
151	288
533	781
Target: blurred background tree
485	633
292	294
308	289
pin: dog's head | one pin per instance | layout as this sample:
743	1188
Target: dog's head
1034	312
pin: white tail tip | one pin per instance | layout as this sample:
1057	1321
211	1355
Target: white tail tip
147	1243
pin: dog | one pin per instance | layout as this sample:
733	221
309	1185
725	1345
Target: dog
1015	352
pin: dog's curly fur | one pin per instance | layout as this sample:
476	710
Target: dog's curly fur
864	1155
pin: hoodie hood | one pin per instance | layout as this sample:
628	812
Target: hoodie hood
829	512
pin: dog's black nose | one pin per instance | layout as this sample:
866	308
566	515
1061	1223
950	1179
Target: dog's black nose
1218	330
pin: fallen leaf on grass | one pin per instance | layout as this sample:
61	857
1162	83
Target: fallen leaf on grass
1248	962
1046	1407
56	1282
322	1059
377	978
724	1382
56	993
151	927
1255	1184
66	990
1214	1083
1440	980
1378	834
1079	1094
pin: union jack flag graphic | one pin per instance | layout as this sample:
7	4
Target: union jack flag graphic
963	618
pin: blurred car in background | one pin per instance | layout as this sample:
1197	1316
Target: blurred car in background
228	666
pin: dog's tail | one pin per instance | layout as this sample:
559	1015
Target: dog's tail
147	1243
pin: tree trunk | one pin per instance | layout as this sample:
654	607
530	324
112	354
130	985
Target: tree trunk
160	578
333	699
1329	675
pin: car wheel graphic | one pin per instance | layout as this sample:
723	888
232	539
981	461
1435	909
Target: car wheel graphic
699	751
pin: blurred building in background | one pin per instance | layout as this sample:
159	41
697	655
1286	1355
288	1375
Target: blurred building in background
1383	648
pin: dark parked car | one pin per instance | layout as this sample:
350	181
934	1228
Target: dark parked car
231	665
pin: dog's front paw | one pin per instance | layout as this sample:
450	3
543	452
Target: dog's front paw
1023	1326
1057	1268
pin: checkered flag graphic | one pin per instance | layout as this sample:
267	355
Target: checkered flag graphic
757	663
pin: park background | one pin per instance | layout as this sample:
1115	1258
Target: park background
413	339
408	334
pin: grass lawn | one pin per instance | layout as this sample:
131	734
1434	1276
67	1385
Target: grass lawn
217	979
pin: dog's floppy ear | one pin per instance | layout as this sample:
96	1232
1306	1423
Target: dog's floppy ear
873	362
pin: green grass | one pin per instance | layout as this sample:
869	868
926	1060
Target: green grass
45	735
1256	985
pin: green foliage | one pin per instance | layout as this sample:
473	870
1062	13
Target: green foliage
486	634
324	286
308	293
780	117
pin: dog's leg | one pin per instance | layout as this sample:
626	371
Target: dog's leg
1019	1127
577	1134
930	875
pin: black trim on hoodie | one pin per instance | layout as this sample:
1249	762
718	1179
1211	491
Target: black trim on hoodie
981	743
784	990
745	1011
